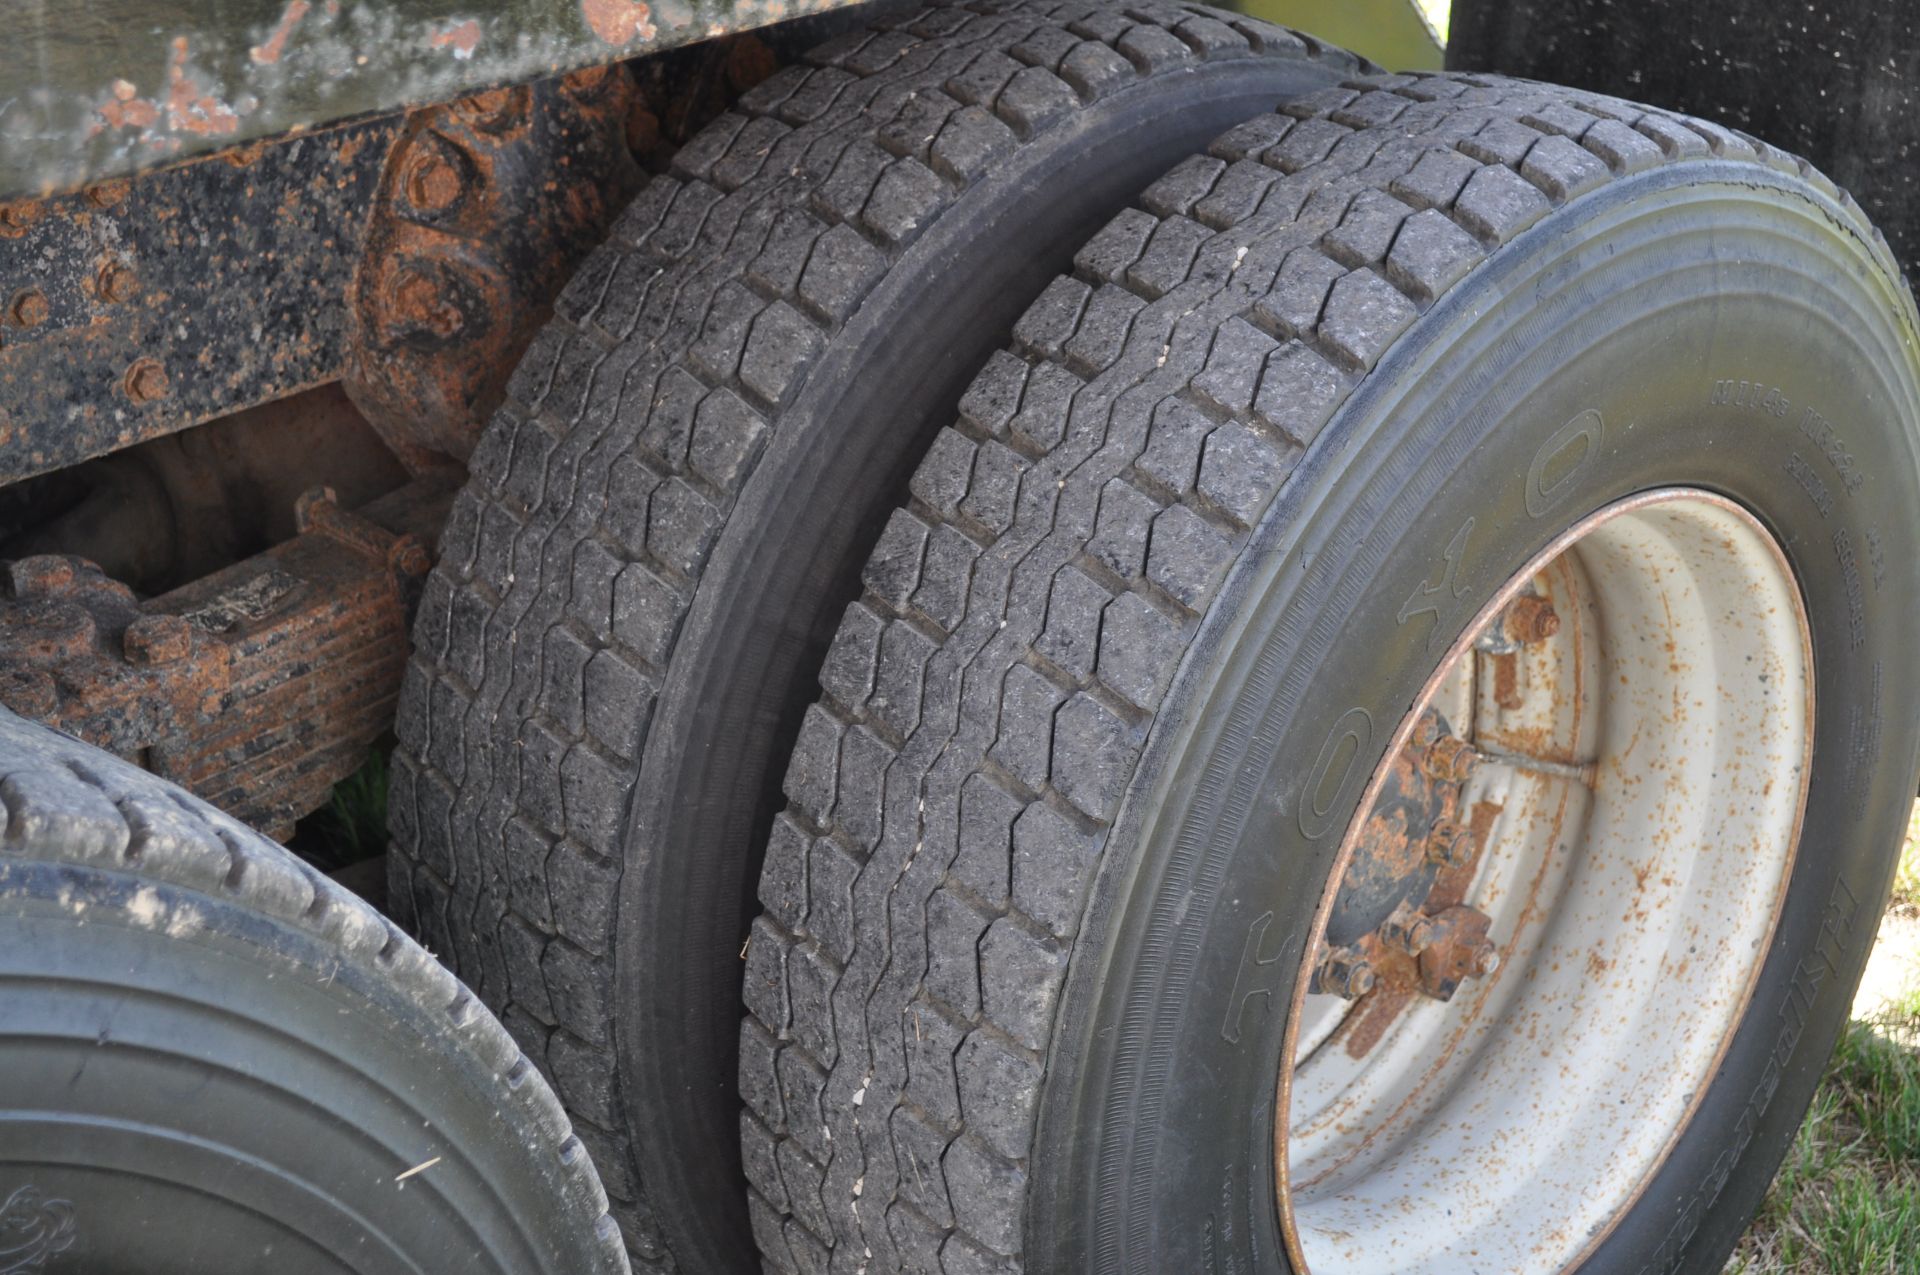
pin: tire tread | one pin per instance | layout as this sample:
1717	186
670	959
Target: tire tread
1261	281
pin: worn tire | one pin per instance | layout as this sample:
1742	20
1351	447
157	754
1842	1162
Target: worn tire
665	522
217	1060
1030	826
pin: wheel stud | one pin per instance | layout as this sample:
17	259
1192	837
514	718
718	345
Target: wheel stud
1449	759
1345	973
1407	930
1450	845
1530	619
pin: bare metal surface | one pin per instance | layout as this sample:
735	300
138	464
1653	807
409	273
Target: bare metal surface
257	687
1545	1017
104	89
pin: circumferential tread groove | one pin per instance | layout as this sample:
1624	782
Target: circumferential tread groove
1330	227
68	803
724	280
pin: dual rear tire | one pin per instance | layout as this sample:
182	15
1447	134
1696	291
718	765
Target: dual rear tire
1168	581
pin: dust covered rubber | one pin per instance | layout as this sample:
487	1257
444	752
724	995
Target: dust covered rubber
1170	585
667	518
215	1058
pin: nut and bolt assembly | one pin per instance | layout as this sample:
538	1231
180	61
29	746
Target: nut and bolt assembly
1345	973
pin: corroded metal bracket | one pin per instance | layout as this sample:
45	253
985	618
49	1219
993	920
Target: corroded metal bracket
486	206
138	308
414	257
258	687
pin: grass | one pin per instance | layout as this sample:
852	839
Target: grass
1847	1199
352	826
1906	878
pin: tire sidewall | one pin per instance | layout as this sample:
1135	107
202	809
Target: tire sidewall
205	1063
1577	367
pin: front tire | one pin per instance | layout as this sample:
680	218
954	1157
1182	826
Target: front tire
216	1060
1433	324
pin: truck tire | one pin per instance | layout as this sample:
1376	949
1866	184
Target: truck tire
215	1059
1055	897
665	522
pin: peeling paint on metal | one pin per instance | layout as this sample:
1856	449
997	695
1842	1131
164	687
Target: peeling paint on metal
268	53
104	90
618	21
462	37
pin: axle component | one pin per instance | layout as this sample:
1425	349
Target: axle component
257	687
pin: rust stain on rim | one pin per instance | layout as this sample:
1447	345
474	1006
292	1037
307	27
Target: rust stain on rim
1461	646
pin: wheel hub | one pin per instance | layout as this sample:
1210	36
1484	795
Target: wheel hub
1548	915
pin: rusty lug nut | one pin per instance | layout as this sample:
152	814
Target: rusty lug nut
1450	759
145	381
40	576
1426	730
28	691
1530	619
108	193
409	556
416	304
431	182
153	640
1344	973
590	79
489	107
17	219
310	506
1450	845
1410	933
116	282
28	308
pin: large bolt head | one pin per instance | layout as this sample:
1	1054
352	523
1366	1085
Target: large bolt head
39	576
431	182
146	381
154	640
116	283
28	308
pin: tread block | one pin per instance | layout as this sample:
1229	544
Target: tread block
1430	255
1364	315
1052	856
1027	705
1562	169
1071	634
1498	204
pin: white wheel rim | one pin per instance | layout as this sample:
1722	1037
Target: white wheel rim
1633	884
